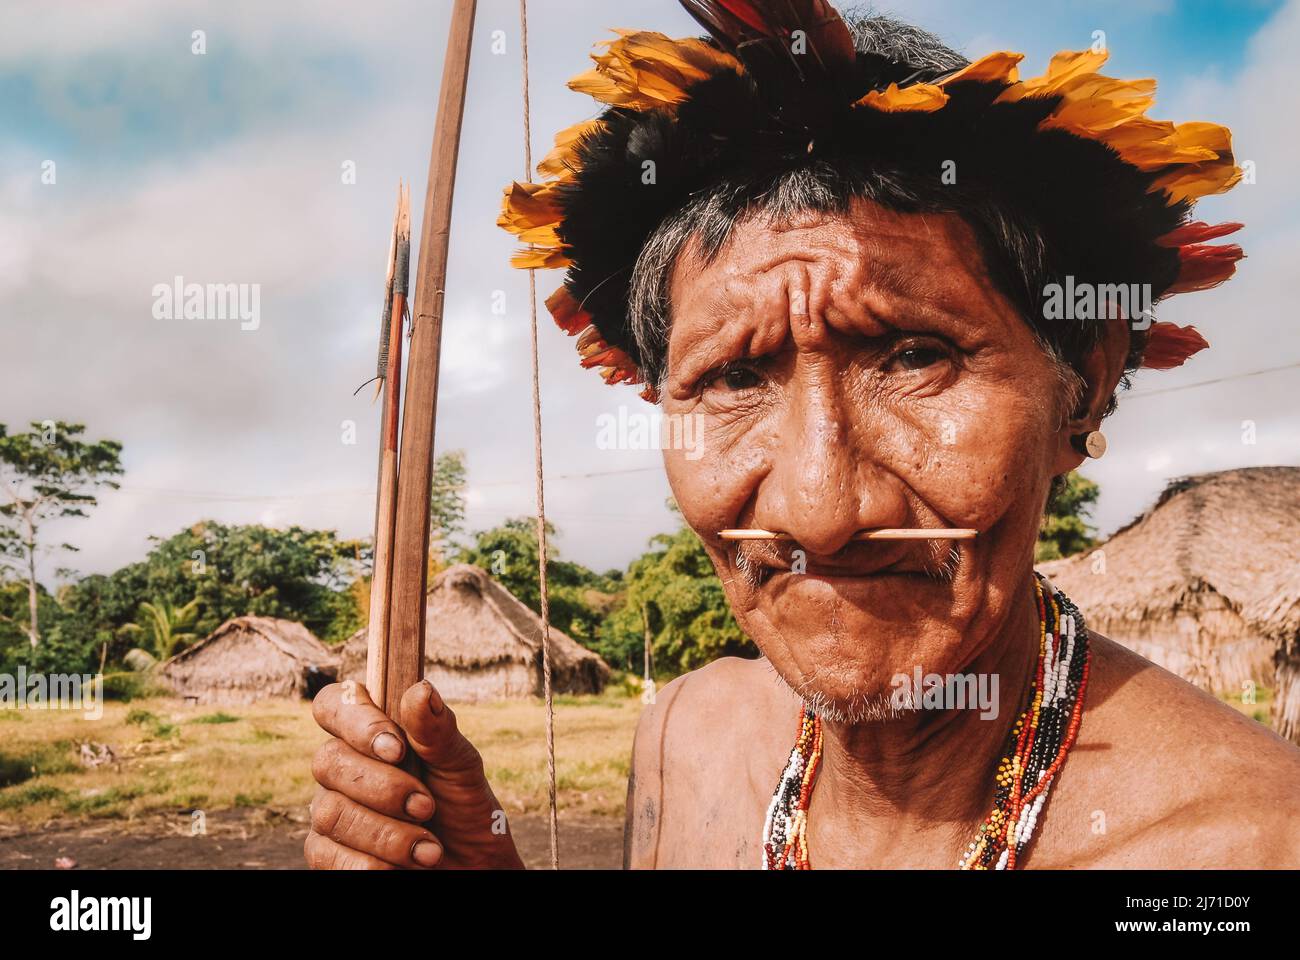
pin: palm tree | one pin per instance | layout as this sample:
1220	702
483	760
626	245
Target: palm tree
166	626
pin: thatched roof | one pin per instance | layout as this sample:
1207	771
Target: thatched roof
288	636
247	658
1235	533
473	622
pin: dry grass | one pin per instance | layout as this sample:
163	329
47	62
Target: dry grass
173	757
176	758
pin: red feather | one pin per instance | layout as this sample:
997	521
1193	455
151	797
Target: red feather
567	312
730	22
1197	232
1169	346
736	22
744	10
804	80
1205	265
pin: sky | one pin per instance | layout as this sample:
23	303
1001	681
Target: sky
232	166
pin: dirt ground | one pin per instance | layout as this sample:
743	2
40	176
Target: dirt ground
258	839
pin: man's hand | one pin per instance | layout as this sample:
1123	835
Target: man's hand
369	814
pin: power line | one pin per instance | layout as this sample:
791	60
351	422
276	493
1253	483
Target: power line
1206	383
574	476
221	497
213	496
225	497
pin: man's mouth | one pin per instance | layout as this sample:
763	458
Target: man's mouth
761	561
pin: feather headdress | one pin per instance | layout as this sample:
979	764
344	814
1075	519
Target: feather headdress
779	83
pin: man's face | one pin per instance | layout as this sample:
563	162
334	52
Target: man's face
849	373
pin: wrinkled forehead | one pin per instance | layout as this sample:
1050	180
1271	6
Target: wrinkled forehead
861	272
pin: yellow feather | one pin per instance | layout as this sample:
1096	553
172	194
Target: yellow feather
539	258
529	205
1198	180
1151	144
542	236
647	70
600	86
922	97
998	67
693	59
563	160
1095	103
1065	66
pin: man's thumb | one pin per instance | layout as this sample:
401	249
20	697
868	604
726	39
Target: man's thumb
430	727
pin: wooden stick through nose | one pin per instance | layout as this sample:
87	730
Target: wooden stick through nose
885	533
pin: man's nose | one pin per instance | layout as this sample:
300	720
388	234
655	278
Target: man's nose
824	485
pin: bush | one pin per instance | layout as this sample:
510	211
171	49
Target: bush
49	758
129	686
156	727
90	803
14	770
37	792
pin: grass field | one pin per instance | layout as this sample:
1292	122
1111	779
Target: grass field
172	757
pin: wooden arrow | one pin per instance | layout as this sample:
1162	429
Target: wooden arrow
403	646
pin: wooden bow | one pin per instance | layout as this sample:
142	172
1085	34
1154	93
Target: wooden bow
395	651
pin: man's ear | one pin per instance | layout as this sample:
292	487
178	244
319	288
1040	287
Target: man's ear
1100	372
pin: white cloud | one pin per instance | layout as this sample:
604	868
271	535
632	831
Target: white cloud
206	409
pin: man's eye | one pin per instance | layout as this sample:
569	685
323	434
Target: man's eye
735	378
918	358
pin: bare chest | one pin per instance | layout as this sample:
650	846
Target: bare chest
714	801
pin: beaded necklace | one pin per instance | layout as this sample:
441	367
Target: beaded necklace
1036	748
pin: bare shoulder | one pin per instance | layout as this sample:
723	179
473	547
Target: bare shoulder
1166	775
698	746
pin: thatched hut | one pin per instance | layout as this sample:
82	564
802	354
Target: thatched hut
483	643
251	658
1206	583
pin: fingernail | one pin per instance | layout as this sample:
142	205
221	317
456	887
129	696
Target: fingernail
419	806
426	853
387	747
435	699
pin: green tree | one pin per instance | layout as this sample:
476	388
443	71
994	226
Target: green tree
48	473
675	588
578	596
1065	529
231	571
168	629
447	500
99	605
62	648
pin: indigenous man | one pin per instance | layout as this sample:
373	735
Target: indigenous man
833	244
